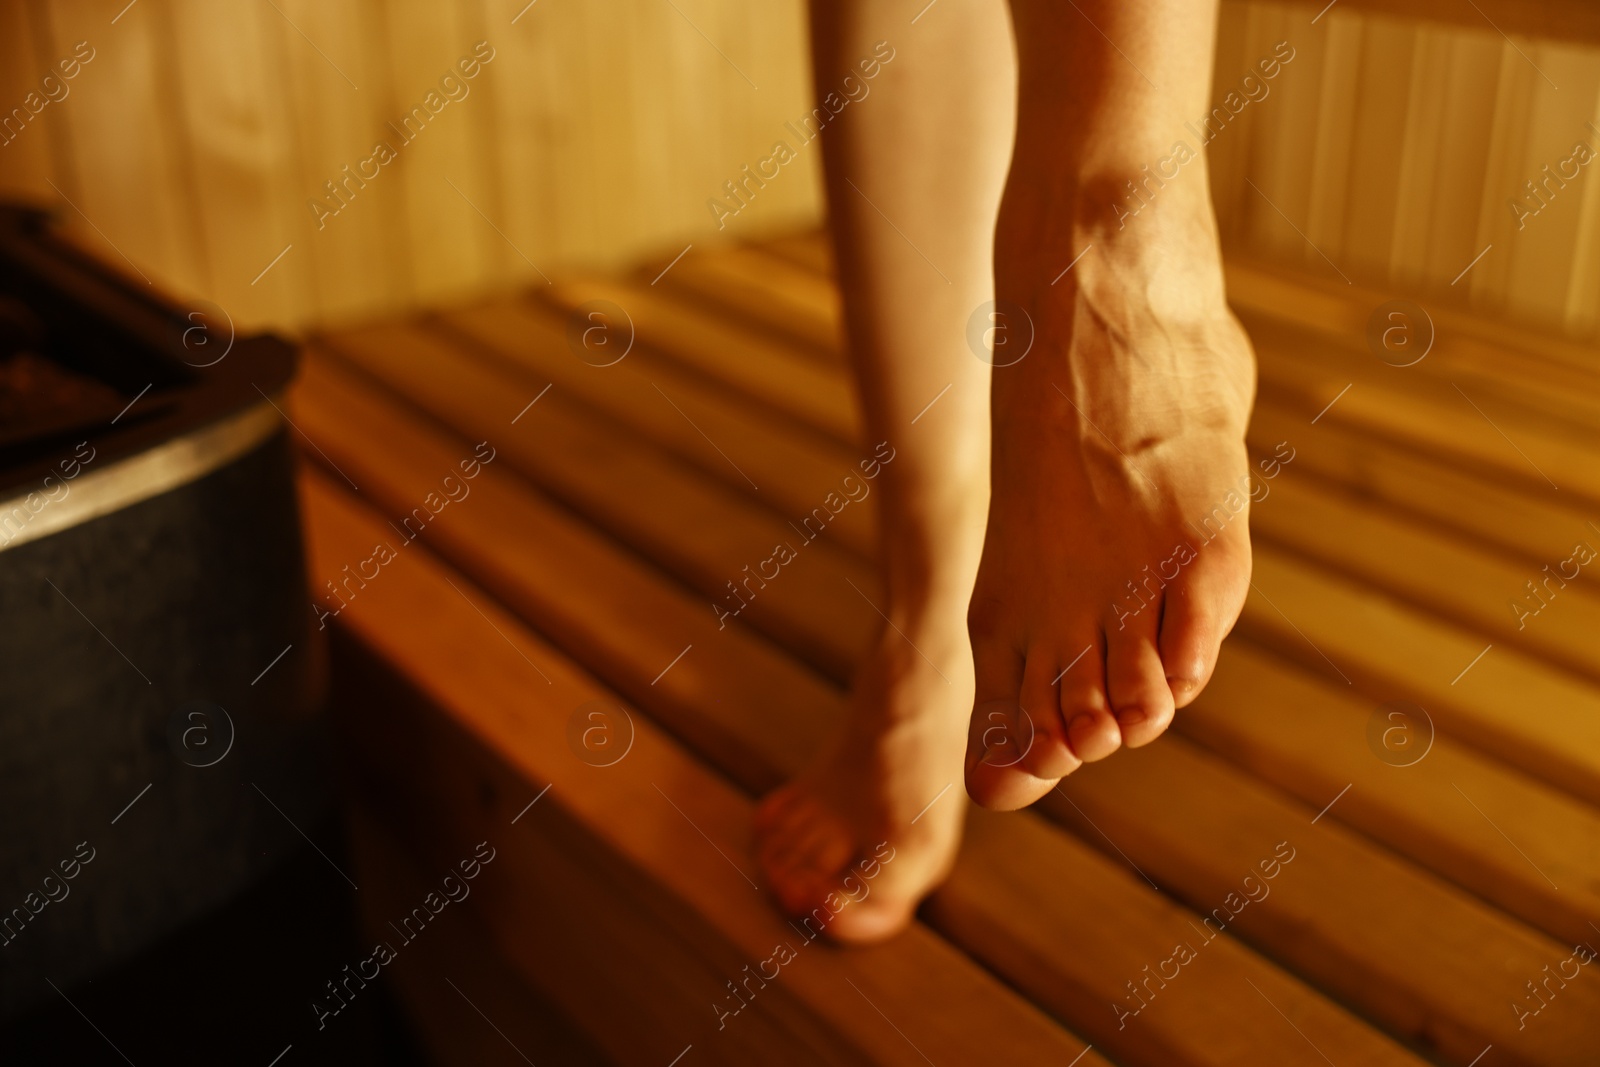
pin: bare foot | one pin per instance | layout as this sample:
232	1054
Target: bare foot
872	825
1117	555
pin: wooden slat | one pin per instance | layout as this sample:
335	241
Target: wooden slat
429	368
1377	932
1484	711
764	291
809	249
1478	352
741	704
1504	446
1418	414
637	868
623	606
1552	400
1470	587
648	505
642	498
1334	319
759	368
1474	859
1310	739
795	468
1476	691
1224	1012
1370	928
1334	123
1528	525
1485	717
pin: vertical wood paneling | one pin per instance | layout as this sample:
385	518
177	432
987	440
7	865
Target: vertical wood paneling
1283	132
1261	221
1337	98
124	163
1228	155
200	133
1420	150
610	125
1583	287
1502	170
1541	254
440	167
26	157
1460	176
1377	145
239	145
354	263
531	129
1418	135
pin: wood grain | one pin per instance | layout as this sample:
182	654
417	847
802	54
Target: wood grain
640	861
739	703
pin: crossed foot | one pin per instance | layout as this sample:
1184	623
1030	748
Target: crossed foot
1116	560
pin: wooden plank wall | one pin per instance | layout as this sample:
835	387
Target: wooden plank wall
190	146
192	142
1388	151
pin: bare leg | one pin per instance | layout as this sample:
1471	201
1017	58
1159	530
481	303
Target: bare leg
1117	526
915	171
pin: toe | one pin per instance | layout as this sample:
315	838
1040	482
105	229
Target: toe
996	666
1048	757
1190	640
824	849
780	843
1137	685
873	919
1000	734
778	818
774	808
802	858
1196	615
1092	733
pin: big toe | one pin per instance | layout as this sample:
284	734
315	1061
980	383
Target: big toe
999	741
802	855
1005	788
875	918
1001	735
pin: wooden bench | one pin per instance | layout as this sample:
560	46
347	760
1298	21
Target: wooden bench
1420	903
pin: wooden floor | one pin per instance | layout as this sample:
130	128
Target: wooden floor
1414	914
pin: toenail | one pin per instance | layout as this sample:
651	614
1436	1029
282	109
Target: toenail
1008	733
1131	716
1080	722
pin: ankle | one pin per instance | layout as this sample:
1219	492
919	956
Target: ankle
1122	231
930	544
